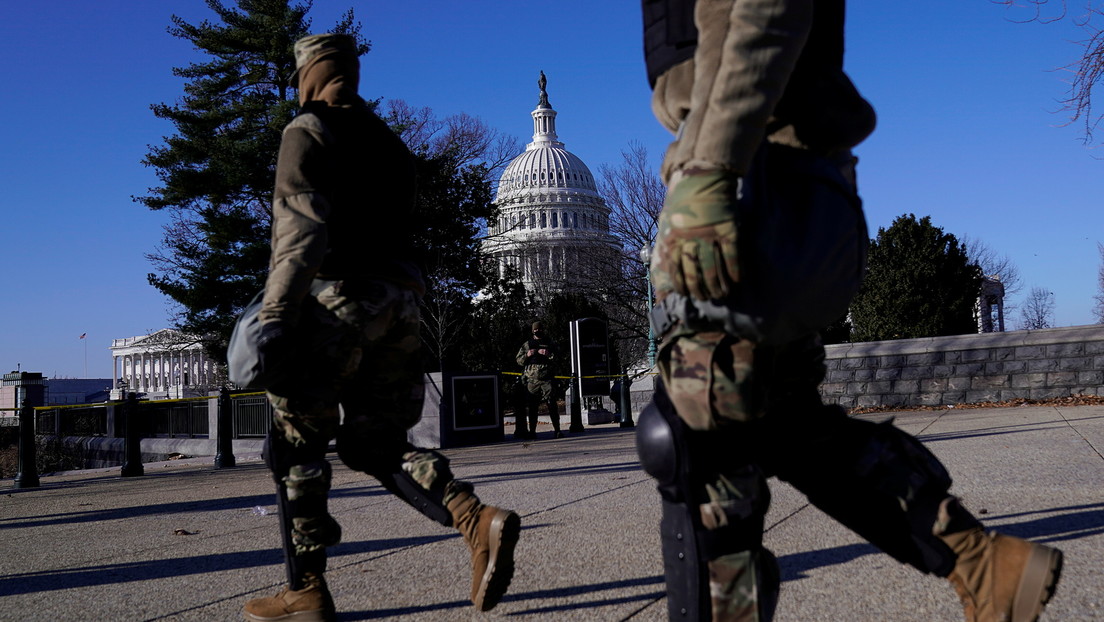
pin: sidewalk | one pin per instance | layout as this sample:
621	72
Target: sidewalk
187	541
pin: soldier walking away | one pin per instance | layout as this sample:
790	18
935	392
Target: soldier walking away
536	356
762	243
340	322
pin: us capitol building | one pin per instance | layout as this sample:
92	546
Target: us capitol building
553	226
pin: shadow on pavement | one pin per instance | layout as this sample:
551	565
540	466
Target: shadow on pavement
107	574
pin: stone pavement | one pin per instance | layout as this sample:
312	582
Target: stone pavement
187	541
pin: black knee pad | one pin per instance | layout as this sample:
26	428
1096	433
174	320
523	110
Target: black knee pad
656	446
686	462
683	462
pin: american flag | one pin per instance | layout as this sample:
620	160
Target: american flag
83	335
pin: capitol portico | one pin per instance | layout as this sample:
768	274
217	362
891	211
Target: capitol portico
553	226
163	365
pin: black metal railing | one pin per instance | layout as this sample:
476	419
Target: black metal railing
175	418
88	420
252	415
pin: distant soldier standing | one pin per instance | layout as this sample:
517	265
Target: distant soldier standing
341	317
760	245
536	357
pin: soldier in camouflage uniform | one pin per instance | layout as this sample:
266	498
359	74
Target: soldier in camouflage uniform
750	86
536	357
341	321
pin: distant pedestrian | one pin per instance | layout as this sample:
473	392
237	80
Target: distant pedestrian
536	357
341	317
761	243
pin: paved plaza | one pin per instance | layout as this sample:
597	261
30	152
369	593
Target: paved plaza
187	541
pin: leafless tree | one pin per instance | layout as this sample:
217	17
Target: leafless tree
993	265
1098	308
478	153
1088	70
634	194
996	266
444	314
1038	309
470	139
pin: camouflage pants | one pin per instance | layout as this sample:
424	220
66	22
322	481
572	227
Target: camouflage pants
716	379
536	393
360	375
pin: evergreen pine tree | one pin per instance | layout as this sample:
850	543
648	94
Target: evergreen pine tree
217	172
920	282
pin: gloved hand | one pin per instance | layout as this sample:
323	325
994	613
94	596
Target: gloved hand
695	252
274	348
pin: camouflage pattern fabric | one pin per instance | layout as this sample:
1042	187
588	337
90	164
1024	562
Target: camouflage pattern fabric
723	496
741	586
540	389
364	354
707	374
538	367
695	252
709	378
308	486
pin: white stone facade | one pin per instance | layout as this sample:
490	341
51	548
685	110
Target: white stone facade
164	365
551	217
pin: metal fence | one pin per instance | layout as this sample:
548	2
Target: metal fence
72	421
175	418
252	415
180	418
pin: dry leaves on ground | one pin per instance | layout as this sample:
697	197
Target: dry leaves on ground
1073	400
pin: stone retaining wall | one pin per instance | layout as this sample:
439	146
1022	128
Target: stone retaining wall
962	369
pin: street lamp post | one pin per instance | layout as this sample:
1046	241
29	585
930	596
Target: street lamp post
646	259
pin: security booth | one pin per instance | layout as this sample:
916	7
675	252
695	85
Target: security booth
461	408
590	365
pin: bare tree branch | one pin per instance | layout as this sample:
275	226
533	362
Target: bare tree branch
1038	310
1087	71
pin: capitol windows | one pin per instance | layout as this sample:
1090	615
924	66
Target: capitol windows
575	220
553	220
543	221
532	220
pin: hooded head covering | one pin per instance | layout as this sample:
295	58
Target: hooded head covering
326	69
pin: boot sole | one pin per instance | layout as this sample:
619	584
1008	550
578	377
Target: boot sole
1037	584
503	535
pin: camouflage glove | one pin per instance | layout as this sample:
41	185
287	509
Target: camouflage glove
695	253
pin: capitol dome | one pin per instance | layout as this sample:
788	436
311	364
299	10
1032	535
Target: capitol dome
550	213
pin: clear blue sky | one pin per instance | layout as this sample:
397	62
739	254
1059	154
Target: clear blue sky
968	133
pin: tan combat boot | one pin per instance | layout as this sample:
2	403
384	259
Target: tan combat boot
310	604
1001	578
491	534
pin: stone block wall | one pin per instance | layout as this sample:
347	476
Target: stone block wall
962	369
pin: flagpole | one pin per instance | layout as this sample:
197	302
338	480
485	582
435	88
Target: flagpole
84	338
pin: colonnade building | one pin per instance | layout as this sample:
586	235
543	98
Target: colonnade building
553	226
162	365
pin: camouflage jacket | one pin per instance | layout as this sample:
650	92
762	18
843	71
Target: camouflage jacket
342	178
537	366
727	74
